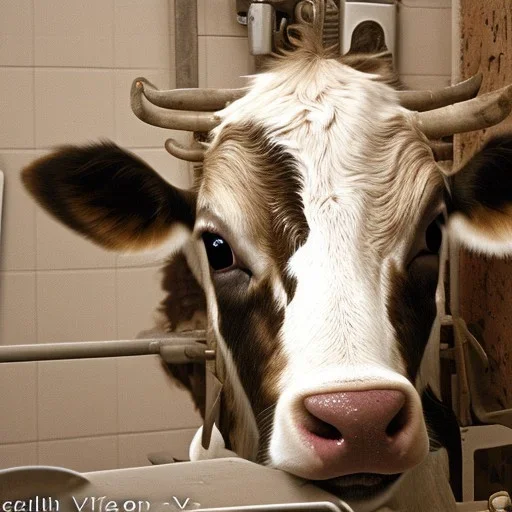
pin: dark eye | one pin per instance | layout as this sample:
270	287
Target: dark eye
218	251
433	236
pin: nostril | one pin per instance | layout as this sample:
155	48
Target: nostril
321	428
378	415
398	423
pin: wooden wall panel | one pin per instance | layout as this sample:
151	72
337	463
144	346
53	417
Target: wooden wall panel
486	283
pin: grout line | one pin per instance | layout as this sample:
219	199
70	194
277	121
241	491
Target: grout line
83	68
50	148
104	436
225	36
14	443
114	57
116	296
38	450
118	412
34	131
153	266
425	75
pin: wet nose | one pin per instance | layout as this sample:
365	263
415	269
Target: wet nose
368	431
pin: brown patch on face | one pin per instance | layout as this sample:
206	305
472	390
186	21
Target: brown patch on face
185	297
495	224
250	322
263	179
412	308
261	182
108	195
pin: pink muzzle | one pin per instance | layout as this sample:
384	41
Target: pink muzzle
368	431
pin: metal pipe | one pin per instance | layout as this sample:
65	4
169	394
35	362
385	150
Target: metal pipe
177	349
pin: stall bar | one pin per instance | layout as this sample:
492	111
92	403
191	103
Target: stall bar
175	349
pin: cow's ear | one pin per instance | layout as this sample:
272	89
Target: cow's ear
481	199
110	196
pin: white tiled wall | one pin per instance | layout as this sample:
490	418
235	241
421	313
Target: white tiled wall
65	71
424	44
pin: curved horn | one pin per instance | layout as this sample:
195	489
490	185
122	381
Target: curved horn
442	150
480	112
173	119
190	154
202	100
428	100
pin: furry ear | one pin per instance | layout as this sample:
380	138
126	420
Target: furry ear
109	196
481	202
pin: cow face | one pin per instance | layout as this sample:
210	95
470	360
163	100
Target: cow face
315	229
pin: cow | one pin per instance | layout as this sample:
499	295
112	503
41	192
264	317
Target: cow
314	229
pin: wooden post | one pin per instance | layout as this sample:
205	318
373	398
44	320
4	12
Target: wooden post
486	283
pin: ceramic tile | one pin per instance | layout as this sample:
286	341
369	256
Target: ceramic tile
74	33
12	455
142	34
17	108
227	61
18	382
73	106
135	448
16	33
77	398
60	248
18	247
419	82
17	308
149	400
201	61
218	18
430	4
76	306
86	454
424	46
138	295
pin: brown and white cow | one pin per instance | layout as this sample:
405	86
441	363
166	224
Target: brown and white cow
314	230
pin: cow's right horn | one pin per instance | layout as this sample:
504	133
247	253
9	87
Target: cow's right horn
480	112
437	98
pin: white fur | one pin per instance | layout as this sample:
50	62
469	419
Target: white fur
158	254
216	450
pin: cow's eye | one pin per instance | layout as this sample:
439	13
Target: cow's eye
219	252
433	236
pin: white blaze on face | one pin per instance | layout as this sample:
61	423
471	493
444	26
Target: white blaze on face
338	314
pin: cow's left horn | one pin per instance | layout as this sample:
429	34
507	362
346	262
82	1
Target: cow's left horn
194	153
428	100
173	119
200	100
481	112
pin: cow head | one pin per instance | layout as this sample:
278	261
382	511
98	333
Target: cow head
315	229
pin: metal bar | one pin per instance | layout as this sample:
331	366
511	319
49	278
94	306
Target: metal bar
186	43
189	349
